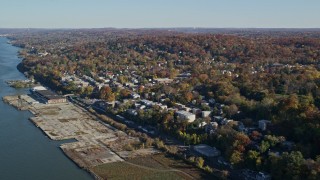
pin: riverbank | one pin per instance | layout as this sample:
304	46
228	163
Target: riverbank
25	152
21	83
96	144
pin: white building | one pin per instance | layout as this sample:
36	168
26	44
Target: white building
147	102
190	117
206	113
132	112
196	111
163	80
202	124
135	96
38	88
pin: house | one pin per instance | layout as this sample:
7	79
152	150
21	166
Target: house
288	145
163	107
204	103
186	109
132	112
263	124
184	75
250	174
110	104
212	101
206	151
135	96
147	102
128	84
211	127
202	124
241	127
184	115
196	111
263	176
42	54
137	105
179	106
225	121
218	118
206	113
163	80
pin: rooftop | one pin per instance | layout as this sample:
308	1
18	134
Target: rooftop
186	113
206	150
49	94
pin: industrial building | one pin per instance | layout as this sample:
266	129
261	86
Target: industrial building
207	151
48	97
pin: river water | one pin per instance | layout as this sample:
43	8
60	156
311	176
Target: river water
25	152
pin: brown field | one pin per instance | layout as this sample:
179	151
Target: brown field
121	170
151	167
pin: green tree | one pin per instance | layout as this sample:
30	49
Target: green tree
236	158
200	162
264	146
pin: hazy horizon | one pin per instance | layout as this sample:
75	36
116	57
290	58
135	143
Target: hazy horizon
75	14
142	28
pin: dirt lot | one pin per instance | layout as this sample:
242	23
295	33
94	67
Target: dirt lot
96	143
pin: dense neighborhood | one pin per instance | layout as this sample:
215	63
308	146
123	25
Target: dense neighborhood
240	101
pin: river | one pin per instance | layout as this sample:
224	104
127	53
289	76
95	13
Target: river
25	152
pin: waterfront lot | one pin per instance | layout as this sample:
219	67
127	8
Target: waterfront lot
107	152
96	143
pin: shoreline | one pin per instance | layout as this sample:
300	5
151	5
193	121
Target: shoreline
34	114
95	143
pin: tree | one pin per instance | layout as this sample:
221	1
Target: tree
236	158
253	159
106	94
173	73
293	163
232	110
273	140
188	96
200	162
203	78
88	90
124	93
287	166
264	146
122	79
241	140
255	135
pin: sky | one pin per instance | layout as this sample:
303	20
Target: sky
159	13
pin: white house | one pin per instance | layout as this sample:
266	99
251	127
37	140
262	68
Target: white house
190	117
206	113
135	96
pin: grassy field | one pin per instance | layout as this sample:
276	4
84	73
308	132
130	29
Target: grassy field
151	167
121	170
